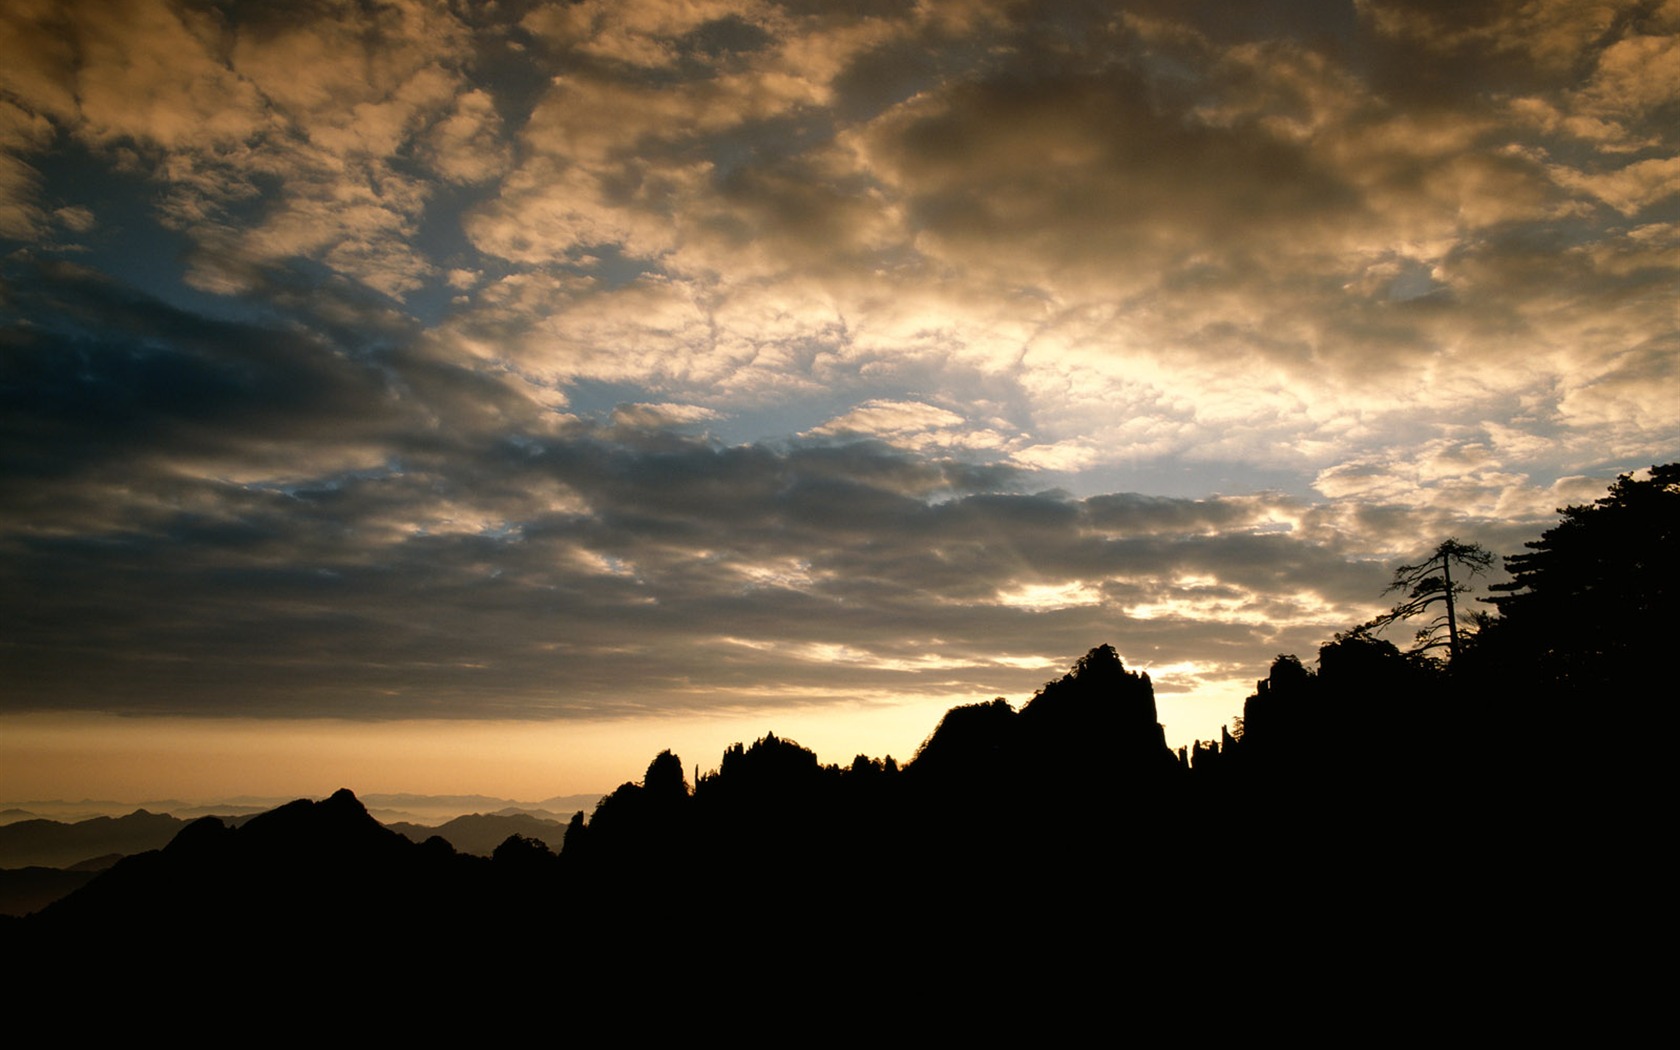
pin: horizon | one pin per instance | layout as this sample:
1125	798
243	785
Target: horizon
412	398
49	744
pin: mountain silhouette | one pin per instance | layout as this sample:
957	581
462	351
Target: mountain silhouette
54	844
480	833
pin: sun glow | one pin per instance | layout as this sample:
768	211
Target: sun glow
1044	597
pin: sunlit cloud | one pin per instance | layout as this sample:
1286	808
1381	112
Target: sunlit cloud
1045	596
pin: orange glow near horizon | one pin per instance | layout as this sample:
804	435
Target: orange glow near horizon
93	756
80	756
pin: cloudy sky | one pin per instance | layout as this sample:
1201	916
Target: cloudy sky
447	396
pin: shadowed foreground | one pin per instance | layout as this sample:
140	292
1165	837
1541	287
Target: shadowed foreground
1384	828
1036	843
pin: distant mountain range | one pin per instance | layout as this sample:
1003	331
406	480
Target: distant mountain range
427	810
53	844
480	833
42	860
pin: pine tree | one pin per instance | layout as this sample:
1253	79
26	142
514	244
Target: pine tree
1430	590
1592	600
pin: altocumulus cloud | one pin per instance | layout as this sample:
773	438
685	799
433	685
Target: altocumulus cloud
560	359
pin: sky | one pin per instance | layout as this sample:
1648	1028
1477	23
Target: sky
428	396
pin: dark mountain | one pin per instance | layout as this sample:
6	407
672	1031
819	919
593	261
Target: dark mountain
52	844
772	831
480	833
304	869
26	890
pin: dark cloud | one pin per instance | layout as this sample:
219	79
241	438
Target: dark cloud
474	578
1033	158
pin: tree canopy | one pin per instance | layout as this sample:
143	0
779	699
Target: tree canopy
1591	598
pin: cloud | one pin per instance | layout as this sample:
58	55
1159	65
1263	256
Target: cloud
1639	74
1234	240
1629	189
1547	37
305	117
240	533
915	425
467	145
238	524
645	416
612	358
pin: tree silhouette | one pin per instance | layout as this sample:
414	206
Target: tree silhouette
1430	590
1590	603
